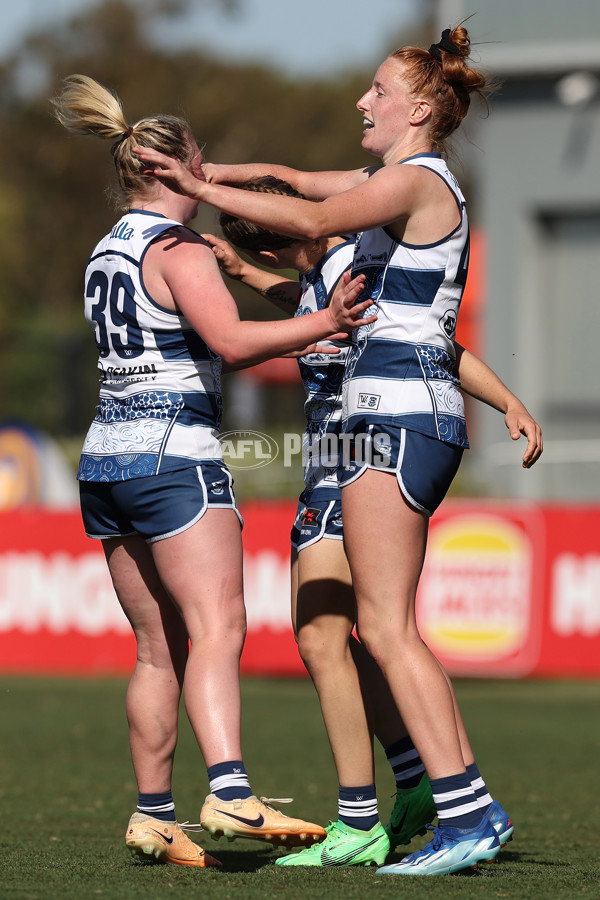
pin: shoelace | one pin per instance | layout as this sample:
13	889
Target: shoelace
269	800
438	836
190	826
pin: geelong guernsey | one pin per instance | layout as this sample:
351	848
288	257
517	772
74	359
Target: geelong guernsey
401	371
160	396
322	376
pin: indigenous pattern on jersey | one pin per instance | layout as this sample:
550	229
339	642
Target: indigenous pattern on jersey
160	392
402	368
322	376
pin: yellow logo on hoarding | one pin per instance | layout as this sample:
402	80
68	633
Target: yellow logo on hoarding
474	593
20	474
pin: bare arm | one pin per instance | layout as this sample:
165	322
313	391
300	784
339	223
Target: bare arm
314	185
181	270
482	383
392	195
281	292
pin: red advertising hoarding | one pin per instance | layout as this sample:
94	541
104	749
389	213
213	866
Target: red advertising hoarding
508	590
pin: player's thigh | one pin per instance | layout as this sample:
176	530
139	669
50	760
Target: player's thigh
202	570
325	598
154	619
385	541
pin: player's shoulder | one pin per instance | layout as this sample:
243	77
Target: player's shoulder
179	233
181	251
390	178
181	240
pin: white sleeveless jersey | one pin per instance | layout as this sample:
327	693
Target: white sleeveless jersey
160	395
322	376
402	368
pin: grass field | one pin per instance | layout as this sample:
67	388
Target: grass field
67	791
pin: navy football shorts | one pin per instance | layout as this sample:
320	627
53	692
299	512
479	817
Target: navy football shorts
424	466
316	519
158	506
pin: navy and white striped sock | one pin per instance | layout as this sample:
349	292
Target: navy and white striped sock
484	798
405	762
357	807
159	806
455	801
229	780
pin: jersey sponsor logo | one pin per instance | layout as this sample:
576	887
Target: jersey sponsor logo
122	231
361	259
448	323
368	401
128	371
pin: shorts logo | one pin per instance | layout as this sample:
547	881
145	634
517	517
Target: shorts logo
310	517
382	445
368	401
218	488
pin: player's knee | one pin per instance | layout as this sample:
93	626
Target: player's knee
227	629
376	641
314	648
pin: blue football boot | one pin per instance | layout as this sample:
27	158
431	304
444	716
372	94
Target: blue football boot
451	850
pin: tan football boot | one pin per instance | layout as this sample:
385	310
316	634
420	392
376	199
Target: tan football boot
152	839
253	818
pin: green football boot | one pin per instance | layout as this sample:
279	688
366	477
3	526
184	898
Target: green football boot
343	846
413	810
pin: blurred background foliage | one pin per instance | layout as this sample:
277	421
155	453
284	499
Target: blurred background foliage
53	201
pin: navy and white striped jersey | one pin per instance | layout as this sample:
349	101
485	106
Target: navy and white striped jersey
322	375
402	368
160	394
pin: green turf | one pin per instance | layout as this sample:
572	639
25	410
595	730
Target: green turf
66	793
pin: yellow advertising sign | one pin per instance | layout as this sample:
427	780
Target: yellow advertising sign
474	598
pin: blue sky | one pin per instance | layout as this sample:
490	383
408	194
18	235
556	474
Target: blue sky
314	36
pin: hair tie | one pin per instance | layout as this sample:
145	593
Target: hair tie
128	132
445	44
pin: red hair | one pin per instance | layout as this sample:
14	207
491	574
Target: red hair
447	83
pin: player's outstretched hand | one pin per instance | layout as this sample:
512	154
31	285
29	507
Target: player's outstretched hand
323	349
165	167
229	261
345	310
520	422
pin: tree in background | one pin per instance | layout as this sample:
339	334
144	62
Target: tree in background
52	185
